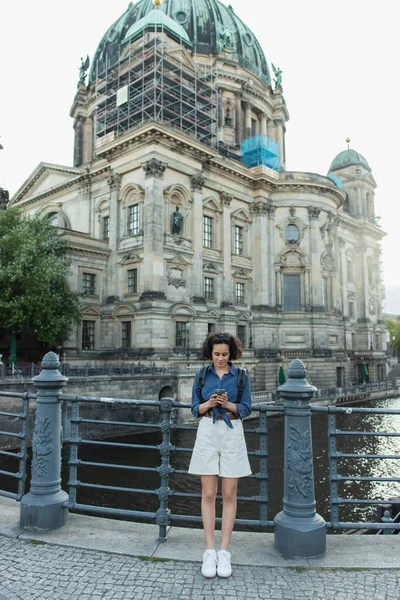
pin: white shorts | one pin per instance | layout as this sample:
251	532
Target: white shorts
220	450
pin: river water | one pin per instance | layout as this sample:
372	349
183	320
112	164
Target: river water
247	487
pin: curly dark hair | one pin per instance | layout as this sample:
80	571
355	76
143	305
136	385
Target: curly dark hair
235	345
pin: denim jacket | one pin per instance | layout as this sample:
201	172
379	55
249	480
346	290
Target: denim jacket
229	382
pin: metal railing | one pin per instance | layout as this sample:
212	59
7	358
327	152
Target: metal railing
298	469
19	456
165	470
336	456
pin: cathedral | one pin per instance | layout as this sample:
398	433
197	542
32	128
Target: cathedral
181	216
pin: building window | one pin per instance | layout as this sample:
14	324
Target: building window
132	281
207	231
351	310
53	219
133	219
89	284
106	228
238	240
126	334
292	234
88	337
291	293
211	327
253	127
325	292
181	334
241	333
239	292
208	288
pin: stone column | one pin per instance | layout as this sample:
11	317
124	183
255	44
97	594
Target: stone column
85	192
271	130
307	298
272	301
278	283
280	140
260	253
299	530
78	142
315	252
196	183
238	119
227	292
153	234
342	274
45	506
248	119
114	181
264	125
88	140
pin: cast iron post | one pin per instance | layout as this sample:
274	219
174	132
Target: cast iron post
43	508
299	530
163	513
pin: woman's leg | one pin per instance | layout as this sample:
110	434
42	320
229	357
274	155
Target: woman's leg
229	503
209	485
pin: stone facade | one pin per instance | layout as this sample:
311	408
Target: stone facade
289	261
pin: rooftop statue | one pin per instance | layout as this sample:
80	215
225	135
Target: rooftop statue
278	74
83	69
226	39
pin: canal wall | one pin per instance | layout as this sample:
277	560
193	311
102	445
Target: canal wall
143	387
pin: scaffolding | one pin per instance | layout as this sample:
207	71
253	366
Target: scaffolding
260	150
153	81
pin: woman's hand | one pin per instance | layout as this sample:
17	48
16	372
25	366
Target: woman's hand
213	401
222	400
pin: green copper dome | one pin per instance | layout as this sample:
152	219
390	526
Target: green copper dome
209	25
156	19
349	158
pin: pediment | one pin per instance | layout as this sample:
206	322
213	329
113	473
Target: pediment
45	177
241	215
178	261
212	204
241	274
91	311
130	257
122	310
211	268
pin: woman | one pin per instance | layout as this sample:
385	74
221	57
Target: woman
221	400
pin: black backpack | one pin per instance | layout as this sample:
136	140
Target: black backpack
241	382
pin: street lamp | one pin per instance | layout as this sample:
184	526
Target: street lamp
251	336
393	341
187	326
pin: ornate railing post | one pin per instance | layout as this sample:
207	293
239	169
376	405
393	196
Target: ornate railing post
299	530
43	507
163	513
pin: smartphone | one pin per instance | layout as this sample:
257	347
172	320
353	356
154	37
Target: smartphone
220	392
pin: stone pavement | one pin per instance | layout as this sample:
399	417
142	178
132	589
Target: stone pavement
103	559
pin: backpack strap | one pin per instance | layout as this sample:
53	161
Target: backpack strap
241	383
201	380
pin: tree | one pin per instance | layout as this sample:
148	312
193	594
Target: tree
35	291
393	327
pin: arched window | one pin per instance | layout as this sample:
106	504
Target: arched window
292	234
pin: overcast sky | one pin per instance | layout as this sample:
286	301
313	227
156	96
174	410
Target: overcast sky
340	68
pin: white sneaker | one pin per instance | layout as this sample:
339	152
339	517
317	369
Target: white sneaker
209	567
224	568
